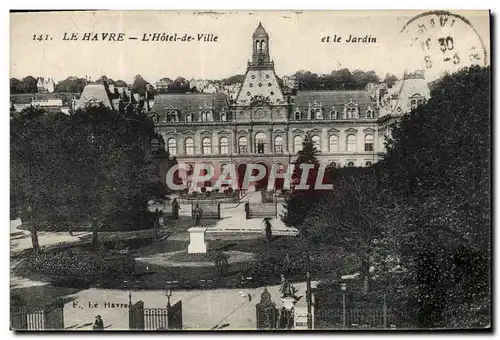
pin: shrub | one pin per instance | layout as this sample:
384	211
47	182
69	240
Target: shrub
67	263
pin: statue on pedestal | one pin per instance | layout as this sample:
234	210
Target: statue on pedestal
197	215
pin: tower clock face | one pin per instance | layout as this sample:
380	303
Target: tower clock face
441	42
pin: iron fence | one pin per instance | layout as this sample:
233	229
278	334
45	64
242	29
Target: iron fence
31	321
155	318
261	210
361	319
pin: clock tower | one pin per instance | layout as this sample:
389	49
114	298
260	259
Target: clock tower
260	97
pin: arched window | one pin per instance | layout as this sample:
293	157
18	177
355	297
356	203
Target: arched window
223	168
189	143
350	164
263	45
334	143
224	146
333	114
368	164
242	145
369	114
260	140
297	115
413	104
297	144
172	147
204	116
278	144
207	146
314	113
317	142
223	117
419	102
368	143
189	117
333	164
349	113
351	143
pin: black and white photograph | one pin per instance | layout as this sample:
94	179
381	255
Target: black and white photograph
250	170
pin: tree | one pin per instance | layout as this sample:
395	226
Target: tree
120	83
92	166
300	201
139	85
353	216
71	85
439	168
30	84
15	86
179	85
238	78
390	80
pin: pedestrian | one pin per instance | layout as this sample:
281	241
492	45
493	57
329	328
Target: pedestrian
99	324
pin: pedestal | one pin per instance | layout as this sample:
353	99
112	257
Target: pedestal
197	242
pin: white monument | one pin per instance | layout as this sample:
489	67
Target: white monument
197	242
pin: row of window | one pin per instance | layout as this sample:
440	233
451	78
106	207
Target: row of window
207	116
173	116
260	142
350	113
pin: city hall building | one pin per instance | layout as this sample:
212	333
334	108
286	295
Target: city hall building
266	124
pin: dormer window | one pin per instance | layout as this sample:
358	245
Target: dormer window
315	113
298	115
348	113
351	111
189	117
333	114
223	117
369	114
416	100
172	116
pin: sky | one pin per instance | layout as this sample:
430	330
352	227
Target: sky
295	43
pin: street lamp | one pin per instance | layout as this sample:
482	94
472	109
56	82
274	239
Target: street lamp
343	288
168	294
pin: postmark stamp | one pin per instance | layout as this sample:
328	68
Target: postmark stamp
442	41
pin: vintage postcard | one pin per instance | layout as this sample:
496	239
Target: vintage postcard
250	170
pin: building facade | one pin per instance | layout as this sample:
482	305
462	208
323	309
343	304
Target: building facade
264	124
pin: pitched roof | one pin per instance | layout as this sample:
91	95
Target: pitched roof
259	31
410	87
329	99
191	101
94	93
